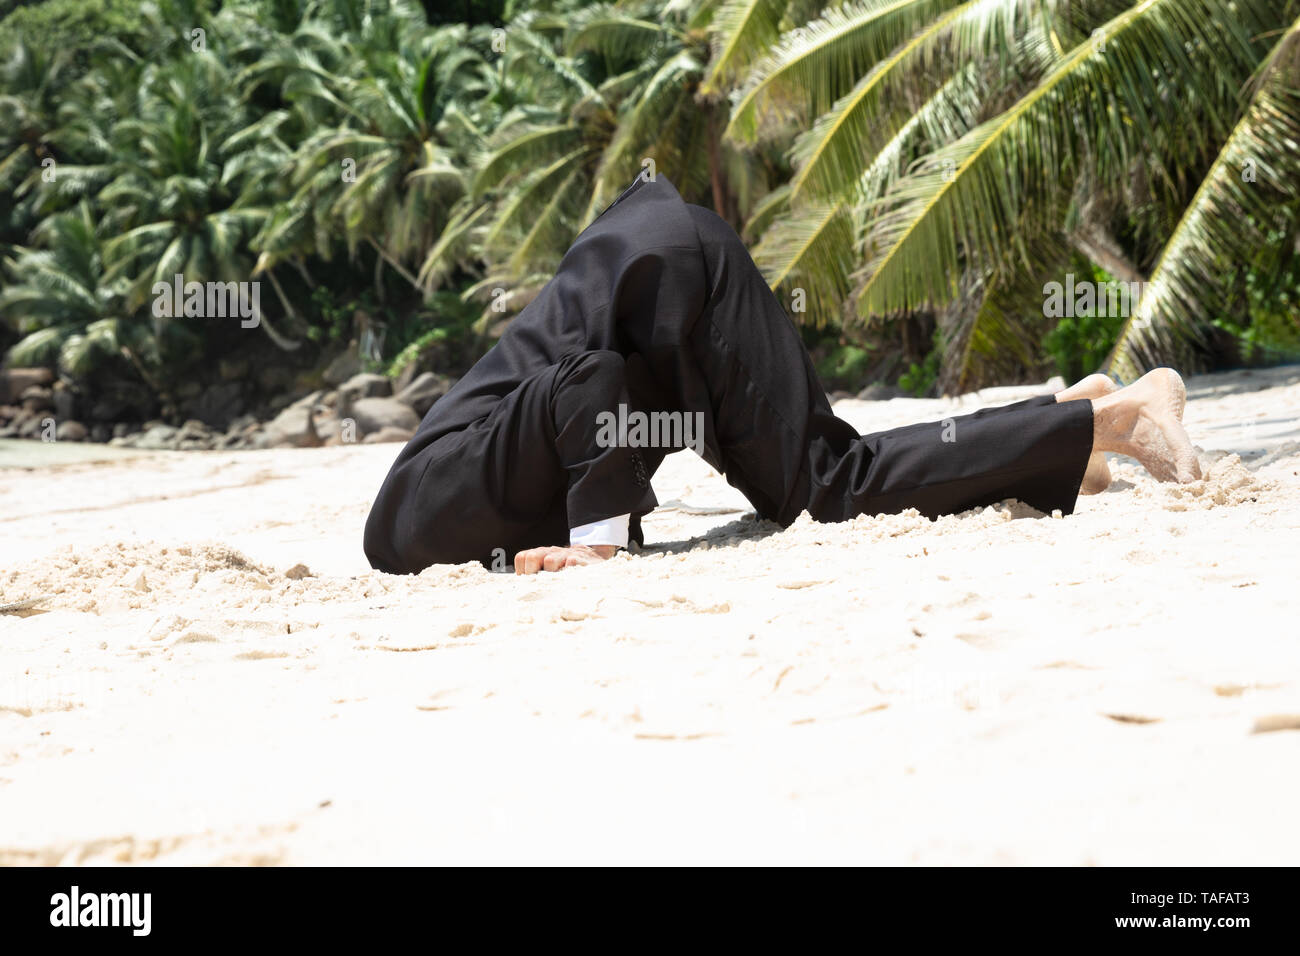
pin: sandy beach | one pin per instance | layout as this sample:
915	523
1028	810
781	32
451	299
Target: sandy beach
213	673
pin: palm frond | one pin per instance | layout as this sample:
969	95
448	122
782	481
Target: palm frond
450	248
646	132
82	351
808	255
813	65
553	228
522	150
774	204
528	198
828	158
40	348
741	31
972	196
947	115
1255	173
614	34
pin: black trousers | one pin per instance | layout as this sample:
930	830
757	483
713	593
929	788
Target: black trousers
533	466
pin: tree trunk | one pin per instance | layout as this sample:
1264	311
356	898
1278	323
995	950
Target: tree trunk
1102	248
717	176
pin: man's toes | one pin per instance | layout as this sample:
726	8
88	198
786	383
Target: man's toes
1189	469
1170	455
1096	477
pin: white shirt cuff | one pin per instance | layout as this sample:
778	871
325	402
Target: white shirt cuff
607	531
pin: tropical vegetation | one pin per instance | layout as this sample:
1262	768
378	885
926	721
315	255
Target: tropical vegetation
910	174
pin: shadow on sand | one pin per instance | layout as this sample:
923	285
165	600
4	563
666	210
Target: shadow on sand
746	528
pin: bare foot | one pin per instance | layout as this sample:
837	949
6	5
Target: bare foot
1096	477
1093	386
1143	421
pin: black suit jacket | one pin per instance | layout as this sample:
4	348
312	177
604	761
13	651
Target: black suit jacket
633	282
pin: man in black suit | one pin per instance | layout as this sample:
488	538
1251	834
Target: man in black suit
658	314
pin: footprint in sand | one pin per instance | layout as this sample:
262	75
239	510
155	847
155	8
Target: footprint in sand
261	655
195	637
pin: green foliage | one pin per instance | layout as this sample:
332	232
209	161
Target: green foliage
903	163
407	333
69	24
844	365
333	322
970	145
1272	333
446	320
920	379
1079	344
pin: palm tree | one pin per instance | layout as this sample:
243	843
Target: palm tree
904	164
954	153
168	206
61	300
1250	187
381	172
32	82
70	315
623	91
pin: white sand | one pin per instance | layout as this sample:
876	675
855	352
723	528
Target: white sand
989	688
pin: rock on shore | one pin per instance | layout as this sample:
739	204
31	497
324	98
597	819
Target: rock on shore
362	408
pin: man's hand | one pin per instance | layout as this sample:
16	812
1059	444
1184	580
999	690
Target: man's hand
557	559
